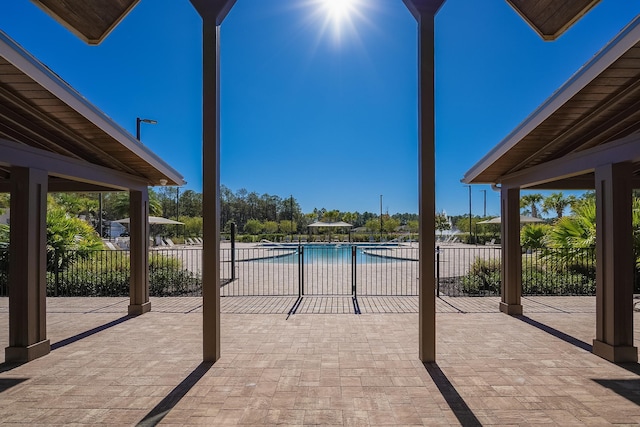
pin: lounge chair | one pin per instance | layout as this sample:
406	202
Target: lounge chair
169	242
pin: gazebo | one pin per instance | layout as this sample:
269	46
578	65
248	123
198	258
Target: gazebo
336	224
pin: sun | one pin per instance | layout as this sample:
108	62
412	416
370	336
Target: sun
339	10
339	15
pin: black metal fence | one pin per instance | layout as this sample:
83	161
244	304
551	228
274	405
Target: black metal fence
325	269
475	271
322	269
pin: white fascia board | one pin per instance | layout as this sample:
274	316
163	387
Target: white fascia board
50	81
625	40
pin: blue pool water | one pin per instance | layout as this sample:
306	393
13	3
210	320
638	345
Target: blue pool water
333	253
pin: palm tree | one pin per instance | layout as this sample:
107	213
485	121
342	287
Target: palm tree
532	236
557	202
531	201
572	237
576	231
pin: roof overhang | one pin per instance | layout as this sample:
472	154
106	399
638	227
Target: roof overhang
595	109
91	20
40	111
551	18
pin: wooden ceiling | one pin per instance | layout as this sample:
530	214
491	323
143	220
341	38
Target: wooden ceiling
91	20
598	105
40	110
550	18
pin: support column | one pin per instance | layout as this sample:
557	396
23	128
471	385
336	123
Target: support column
139	252
28	266
424	12
213	13
614	264
511	271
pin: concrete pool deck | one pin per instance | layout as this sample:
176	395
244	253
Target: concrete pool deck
106	368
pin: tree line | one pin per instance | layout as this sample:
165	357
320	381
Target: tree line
252	213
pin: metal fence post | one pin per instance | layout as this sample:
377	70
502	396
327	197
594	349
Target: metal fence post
233	251
301	270
354	290
438	271
56	260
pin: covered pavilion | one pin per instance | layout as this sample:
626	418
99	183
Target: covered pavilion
53	140
586	136
92	21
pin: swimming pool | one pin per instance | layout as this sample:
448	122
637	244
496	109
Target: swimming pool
338	253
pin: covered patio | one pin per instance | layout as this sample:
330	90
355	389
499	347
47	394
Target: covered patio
53	140
584	137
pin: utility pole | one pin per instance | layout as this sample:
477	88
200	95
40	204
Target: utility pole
381	218
484	212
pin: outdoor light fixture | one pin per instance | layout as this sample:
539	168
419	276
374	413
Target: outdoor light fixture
138	121
163	182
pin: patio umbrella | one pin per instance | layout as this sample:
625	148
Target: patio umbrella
523	219
152	220
330	224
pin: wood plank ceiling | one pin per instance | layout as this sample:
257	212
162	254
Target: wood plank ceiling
91	20
550	18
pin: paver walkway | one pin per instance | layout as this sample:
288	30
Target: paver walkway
319	369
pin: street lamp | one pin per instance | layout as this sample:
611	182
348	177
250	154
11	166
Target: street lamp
138	121
484	213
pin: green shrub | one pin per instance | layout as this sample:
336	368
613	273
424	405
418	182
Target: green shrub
107	273
483	277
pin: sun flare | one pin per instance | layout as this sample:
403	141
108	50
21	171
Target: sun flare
341	20
339	10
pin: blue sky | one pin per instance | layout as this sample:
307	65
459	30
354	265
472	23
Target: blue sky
321	111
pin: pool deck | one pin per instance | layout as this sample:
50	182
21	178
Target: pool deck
323	365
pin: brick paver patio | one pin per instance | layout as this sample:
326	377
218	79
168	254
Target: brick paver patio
319	369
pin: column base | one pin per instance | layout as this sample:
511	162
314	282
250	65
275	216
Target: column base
138	309
511	309
28	353
615	353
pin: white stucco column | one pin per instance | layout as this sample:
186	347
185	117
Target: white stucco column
511	270
614	264
139	252
28	266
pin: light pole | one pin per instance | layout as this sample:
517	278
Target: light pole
484	212
291	219
138	121
381	218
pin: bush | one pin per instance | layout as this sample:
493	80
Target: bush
107	273
483	278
